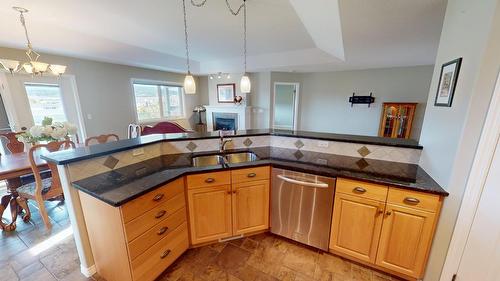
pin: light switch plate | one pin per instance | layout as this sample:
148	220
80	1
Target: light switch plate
323	144
138	151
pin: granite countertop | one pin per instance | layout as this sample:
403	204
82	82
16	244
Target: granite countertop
83	153
124	184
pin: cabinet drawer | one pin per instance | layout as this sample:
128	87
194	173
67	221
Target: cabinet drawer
415	199
139	206
208	179
362	189
156	233
152	217
250	174
156	259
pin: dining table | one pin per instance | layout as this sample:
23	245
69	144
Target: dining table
12	168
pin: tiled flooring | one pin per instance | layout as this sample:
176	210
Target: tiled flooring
265	257
34	253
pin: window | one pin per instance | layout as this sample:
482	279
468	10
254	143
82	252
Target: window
158	101
45	100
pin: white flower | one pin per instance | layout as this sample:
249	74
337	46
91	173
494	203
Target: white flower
47	130
70	128
36	131
59	133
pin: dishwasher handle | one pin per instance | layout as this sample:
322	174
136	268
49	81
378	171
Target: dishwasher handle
304	183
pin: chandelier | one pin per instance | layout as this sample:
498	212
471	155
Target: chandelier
189	83
33	65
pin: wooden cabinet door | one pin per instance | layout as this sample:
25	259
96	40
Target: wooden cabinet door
210	213
405	240
356	226
250	206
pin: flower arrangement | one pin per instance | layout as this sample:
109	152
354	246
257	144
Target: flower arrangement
48	131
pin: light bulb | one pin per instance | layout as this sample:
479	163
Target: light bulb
219	76
245	85
228	76
211	77
189	84
57	69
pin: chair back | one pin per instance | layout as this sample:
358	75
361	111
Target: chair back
50	147
134	131
102	139
13	144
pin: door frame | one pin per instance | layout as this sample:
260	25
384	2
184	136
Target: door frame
296	102
475	185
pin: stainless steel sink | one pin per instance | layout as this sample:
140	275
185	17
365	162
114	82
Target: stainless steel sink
230	158
207	160
241	157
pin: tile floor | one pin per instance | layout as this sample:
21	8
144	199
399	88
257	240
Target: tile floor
34	253
265	257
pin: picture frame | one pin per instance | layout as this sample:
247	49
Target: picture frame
226	93
447	83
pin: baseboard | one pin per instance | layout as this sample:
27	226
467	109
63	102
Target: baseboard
88	271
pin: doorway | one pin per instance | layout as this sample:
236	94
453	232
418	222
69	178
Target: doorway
285	106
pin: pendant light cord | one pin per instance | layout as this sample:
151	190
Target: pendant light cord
186	34
245	33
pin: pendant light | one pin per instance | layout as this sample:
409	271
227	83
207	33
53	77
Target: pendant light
33	65
189	83
245	85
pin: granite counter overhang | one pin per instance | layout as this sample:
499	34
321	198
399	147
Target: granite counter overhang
124	184
83	153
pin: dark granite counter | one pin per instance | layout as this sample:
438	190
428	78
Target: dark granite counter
124	184
83	153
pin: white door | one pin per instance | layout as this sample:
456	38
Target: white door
481	257
285	106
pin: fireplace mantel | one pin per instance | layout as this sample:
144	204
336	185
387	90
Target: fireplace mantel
244	115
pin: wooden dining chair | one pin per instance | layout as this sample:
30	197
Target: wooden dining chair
13	144
102	139
43	189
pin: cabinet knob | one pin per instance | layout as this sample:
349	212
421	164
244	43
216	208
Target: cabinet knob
411	200
234	192
359	189
380	211
165	254
162	230
252	175
209	180
158	197
160	214
229	192
388	213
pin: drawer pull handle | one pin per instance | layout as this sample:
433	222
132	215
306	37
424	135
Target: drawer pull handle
359	190
162	230
160	214
411	200
252	175
209	180
158	197
165	254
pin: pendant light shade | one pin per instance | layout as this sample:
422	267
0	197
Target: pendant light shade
57	69
189	85
245	85
10	65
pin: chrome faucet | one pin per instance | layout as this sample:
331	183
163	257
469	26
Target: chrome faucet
223	142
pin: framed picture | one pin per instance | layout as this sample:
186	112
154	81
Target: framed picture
226	93
447	82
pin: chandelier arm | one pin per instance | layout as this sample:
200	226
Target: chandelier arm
201	4
186	35
235	13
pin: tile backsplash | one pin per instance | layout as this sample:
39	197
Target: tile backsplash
86	168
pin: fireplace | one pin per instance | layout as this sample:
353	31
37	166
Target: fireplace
225	121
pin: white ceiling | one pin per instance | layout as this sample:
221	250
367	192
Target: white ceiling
286	35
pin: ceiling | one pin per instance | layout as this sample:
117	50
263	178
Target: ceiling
283	35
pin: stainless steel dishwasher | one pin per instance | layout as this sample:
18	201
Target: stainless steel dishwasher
301	207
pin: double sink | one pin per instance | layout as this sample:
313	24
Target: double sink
223	158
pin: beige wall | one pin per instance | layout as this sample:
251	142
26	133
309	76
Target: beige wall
450	134
105	90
